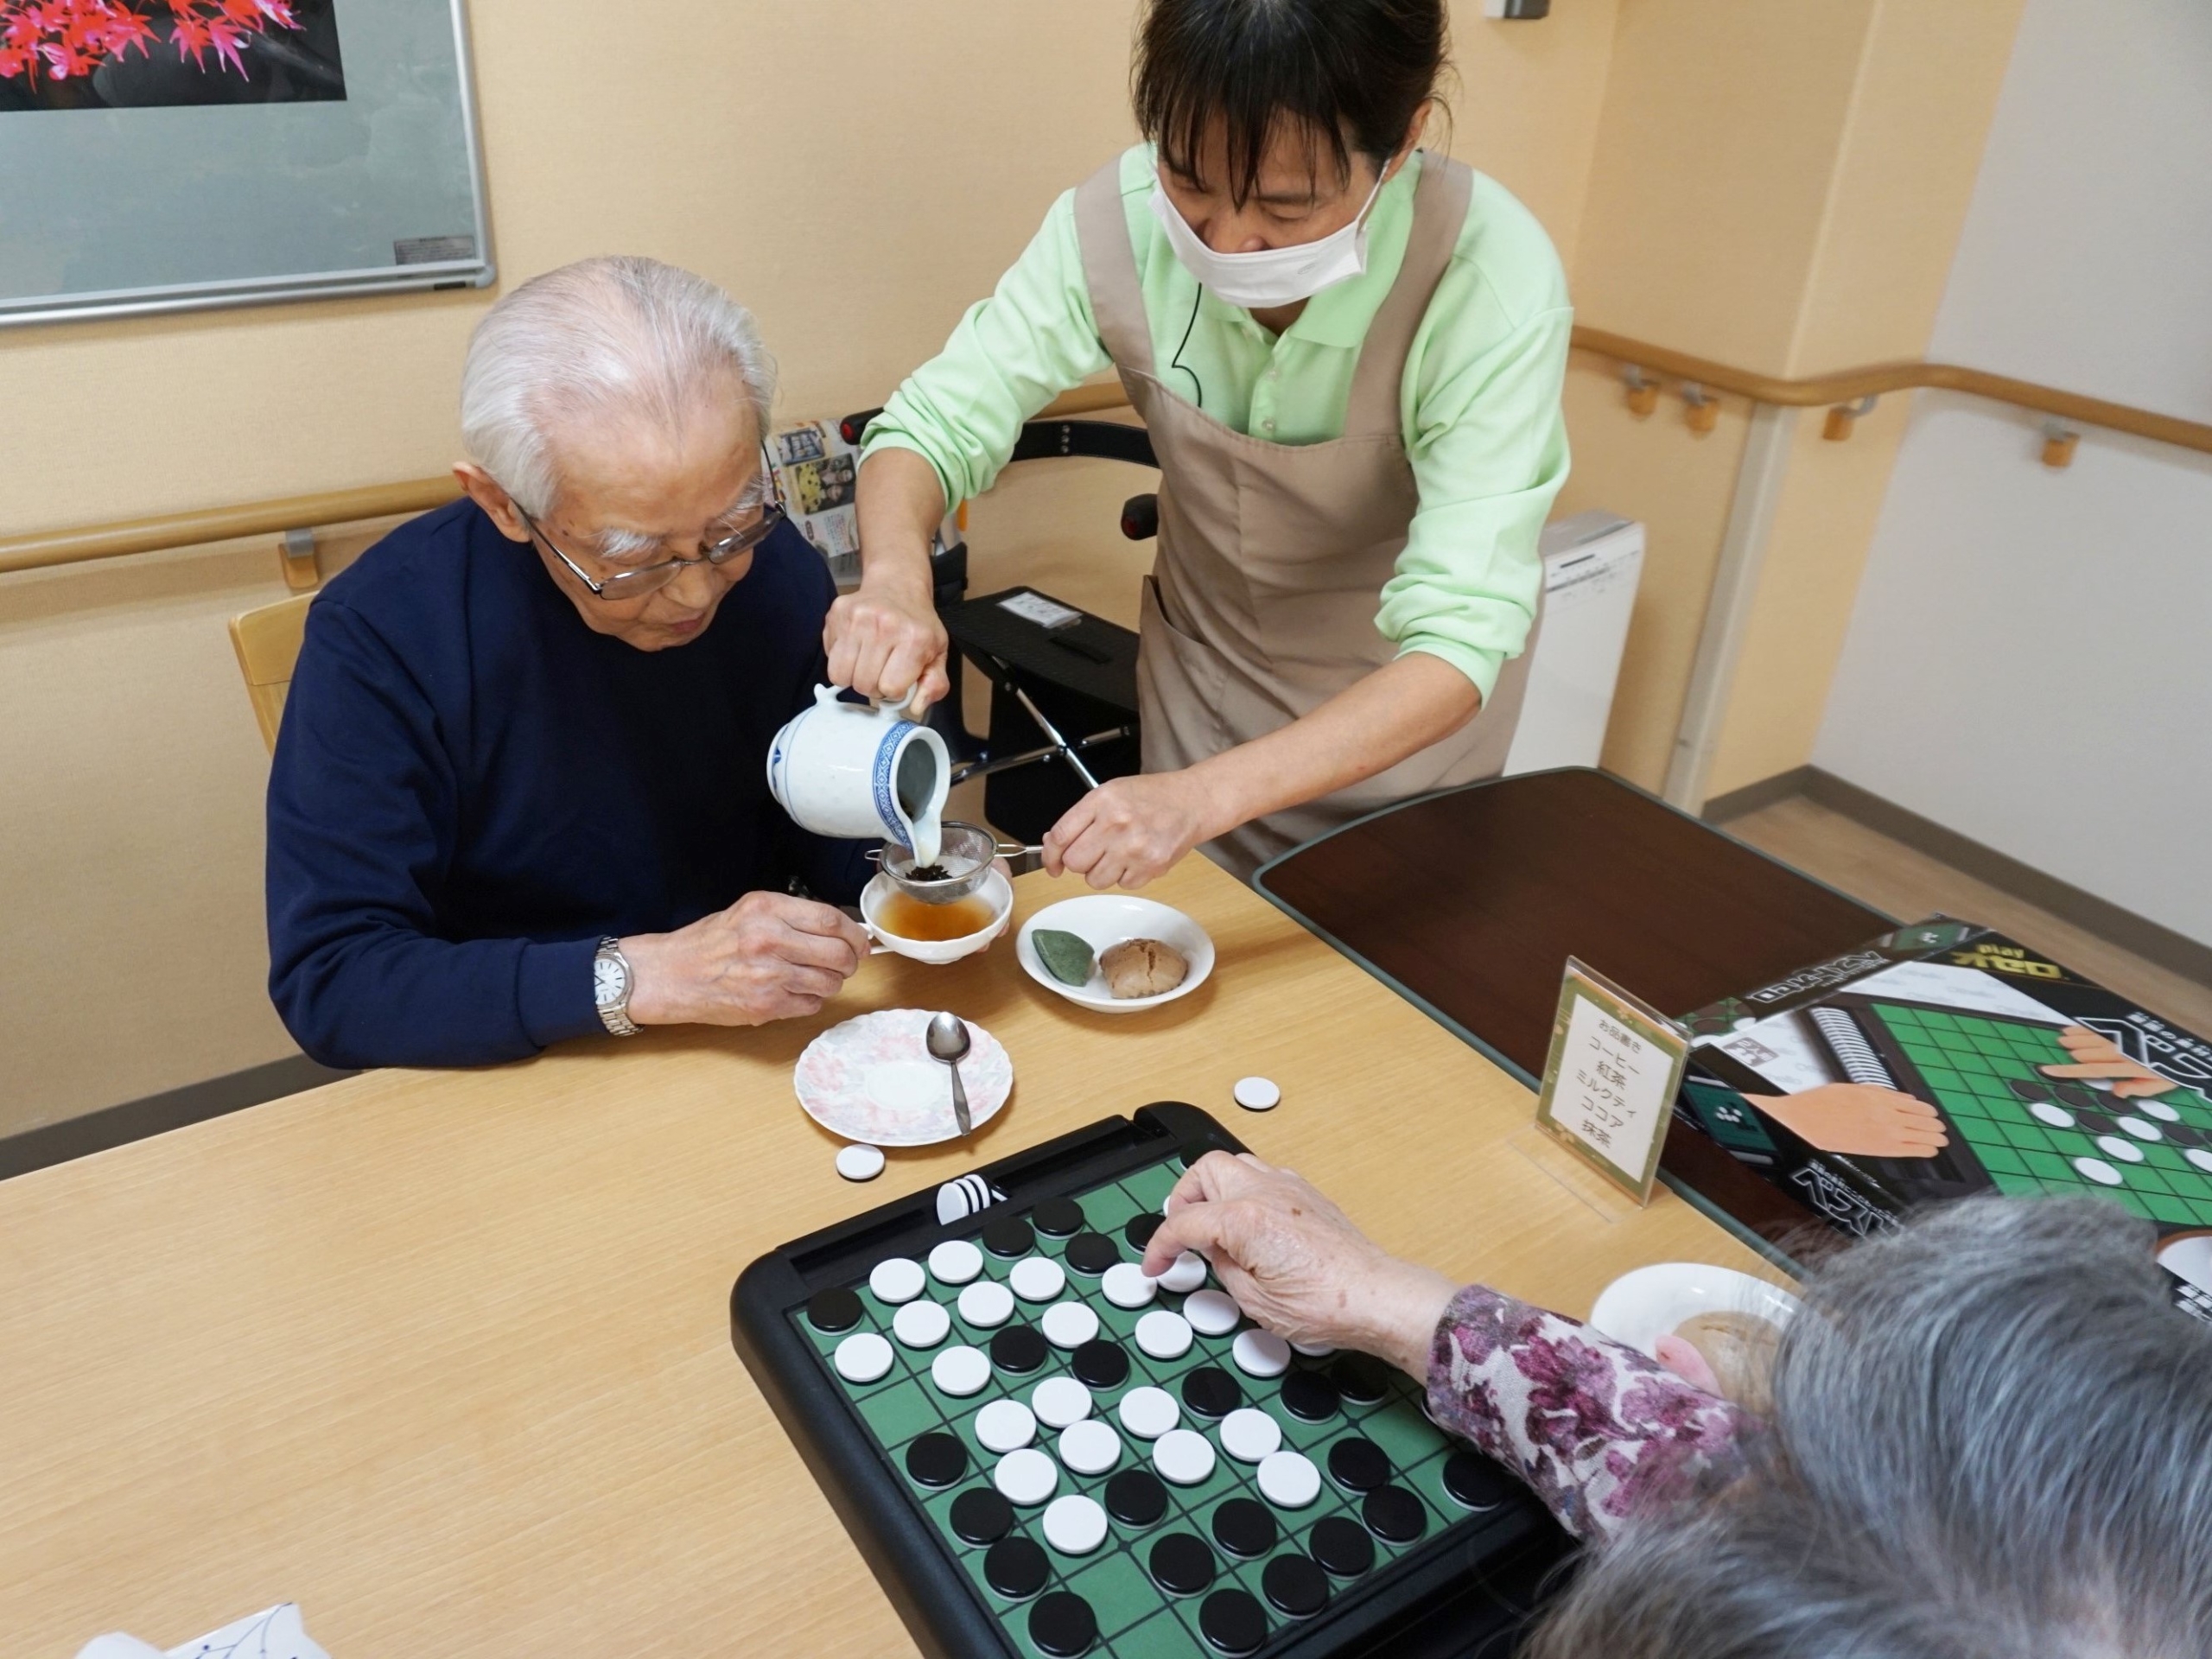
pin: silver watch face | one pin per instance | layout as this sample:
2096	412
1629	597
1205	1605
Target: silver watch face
608	982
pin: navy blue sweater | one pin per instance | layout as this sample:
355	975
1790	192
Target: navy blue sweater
472	788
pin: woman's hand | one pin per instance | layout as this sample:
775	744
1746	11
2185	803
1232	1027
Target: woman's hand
1129	829
883	641
2099	1058
1296	1264
1862	1119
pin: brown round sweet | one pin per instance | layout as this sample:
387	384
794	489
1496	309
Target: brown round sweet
1142	967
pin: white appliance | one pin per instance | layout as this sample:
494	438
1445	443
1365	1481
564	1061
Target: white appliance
1591	564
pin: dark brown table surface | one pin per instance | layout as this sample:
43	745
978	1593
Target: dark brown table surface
1469	903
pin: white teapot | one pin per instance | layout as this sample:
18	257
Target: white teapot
859	771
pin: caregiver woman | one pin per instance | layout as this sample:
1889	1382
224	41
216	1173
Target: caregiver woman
1348	352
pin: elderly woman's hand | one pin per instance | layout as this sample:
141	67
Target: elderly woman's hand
768	957
1296	1264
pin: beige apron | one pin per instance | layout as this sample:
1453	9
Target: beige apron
1272	557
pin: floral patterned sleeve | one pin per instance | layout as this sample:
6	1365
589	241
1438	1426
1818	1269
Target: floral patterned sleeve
1598	1431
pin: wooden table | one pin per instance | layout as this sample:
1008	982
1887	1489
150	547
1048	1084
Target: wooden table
444	1357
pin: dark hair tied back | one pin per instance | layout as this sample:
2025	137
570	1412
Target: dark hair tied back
1347	73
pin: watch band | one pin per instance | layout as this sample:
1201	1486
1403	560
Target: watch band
615	1016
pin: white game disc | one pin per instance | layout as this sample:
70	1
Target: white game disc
955	1262
1026	1476
986	1303
1313	1349
1005	1425
2098	1171
1249	1435
1148	1412
1289	1480
921	1324
1185	1273
1059	1401
2126	1151
1211	1313
1126	1285
1037	1279
860	1161
1164	1335
2201	1158
1089	1447
1069	1324
2159	1109
863	1358
961	1371
1183	1457
898	1279
1074	1525
1256	1094
2141	1130
1260	1353
2049	1112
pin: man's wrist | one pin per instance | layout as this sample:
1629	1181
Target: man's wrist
649	1003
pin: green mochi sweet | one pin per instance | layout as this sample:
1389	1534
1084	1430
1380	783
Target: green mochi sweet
1066	958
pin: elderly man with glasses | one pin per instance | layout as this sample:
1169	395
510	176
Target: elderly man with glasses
520	792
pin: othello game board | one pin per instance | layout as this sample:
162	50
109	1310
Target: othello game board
2030	1133
1041	1453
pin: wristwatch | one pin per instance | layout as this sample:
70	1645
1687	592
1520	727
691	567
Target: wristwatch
611	983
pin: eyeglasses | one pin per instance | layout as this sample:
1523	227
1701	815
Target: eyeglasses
651	578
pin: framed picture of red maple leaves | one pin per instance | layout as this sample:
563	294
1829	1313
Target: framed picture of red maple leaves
183	154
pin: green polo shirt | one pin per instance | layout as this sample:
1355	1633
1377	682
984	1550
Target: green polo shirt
1479	404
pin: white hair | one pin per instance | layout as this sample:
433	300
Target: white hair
618	336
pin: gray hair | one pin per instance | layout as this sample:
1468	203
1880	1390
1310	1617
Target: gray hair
1992	1437
619	336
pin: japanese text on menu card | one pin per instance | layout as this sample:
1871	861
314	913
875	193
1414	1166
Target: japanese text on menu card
1610	1080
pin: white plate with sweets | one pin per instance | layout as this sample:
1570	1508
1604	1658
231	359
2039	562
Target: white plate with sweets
1101	952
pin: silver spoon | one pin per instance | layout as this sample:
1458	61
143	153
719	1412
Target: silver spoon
948	1041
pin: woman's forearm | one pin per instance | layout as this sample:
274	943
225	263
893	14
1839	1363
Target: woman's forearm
899	505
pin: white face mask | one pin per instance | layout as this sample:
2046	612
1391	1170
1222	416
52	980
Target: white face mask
1271	277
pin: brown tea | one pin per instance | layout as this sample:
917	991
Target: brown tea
910	919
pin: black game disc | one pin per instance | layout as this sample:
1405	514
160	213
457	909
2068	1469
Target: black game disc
1020	1349
1016	1567
1141	1227
1355	1464
981	1515
1092	1253
1360	1379
1063	1625
1244	1528
2185	1134
1233	1621
1295	1585
833	1310
2095	1122
1099	1363
1007	1235
1394	1515
937	1460
1211	1392
1310	1397
1181	1565
1474	1480
1057	1217
1135	1498
1342	1546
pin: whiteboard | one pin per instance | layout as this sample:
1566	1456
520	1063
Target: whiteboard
228	152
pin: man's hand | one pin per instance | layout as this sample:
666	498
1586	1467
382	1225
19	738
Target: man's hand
1295	1262
2099	1058
1129	829
766	957
1859	1118
881	641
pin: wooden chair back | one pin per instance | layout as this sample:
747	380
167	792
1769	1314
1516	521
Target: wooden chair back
267	641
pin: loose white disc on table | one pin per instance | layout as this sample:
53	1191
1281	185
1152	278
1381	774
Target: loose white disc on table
1185	1273
863	1358
1289	1479
1211	1313
1026	1476
2125	1151
1037	1279
860	1161
1149	1413
898	1279
987	1303
1256	1095
1005	1425
2049	1112
2098	1171
1089	1447
1164	1335
2201	1158
1074	1525
1314	1349
1260	1353
955	1262
2159	1109
1249	1435
1069	1324
961	1371
1126	1285
2141	1130
921	1324
1183	1457
1059	1401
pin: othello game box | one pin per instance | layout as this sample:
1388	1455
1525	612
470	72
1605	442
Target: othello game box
1945	1059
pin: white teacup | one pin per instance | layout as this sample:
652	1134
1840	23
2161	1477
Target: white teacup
857	770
